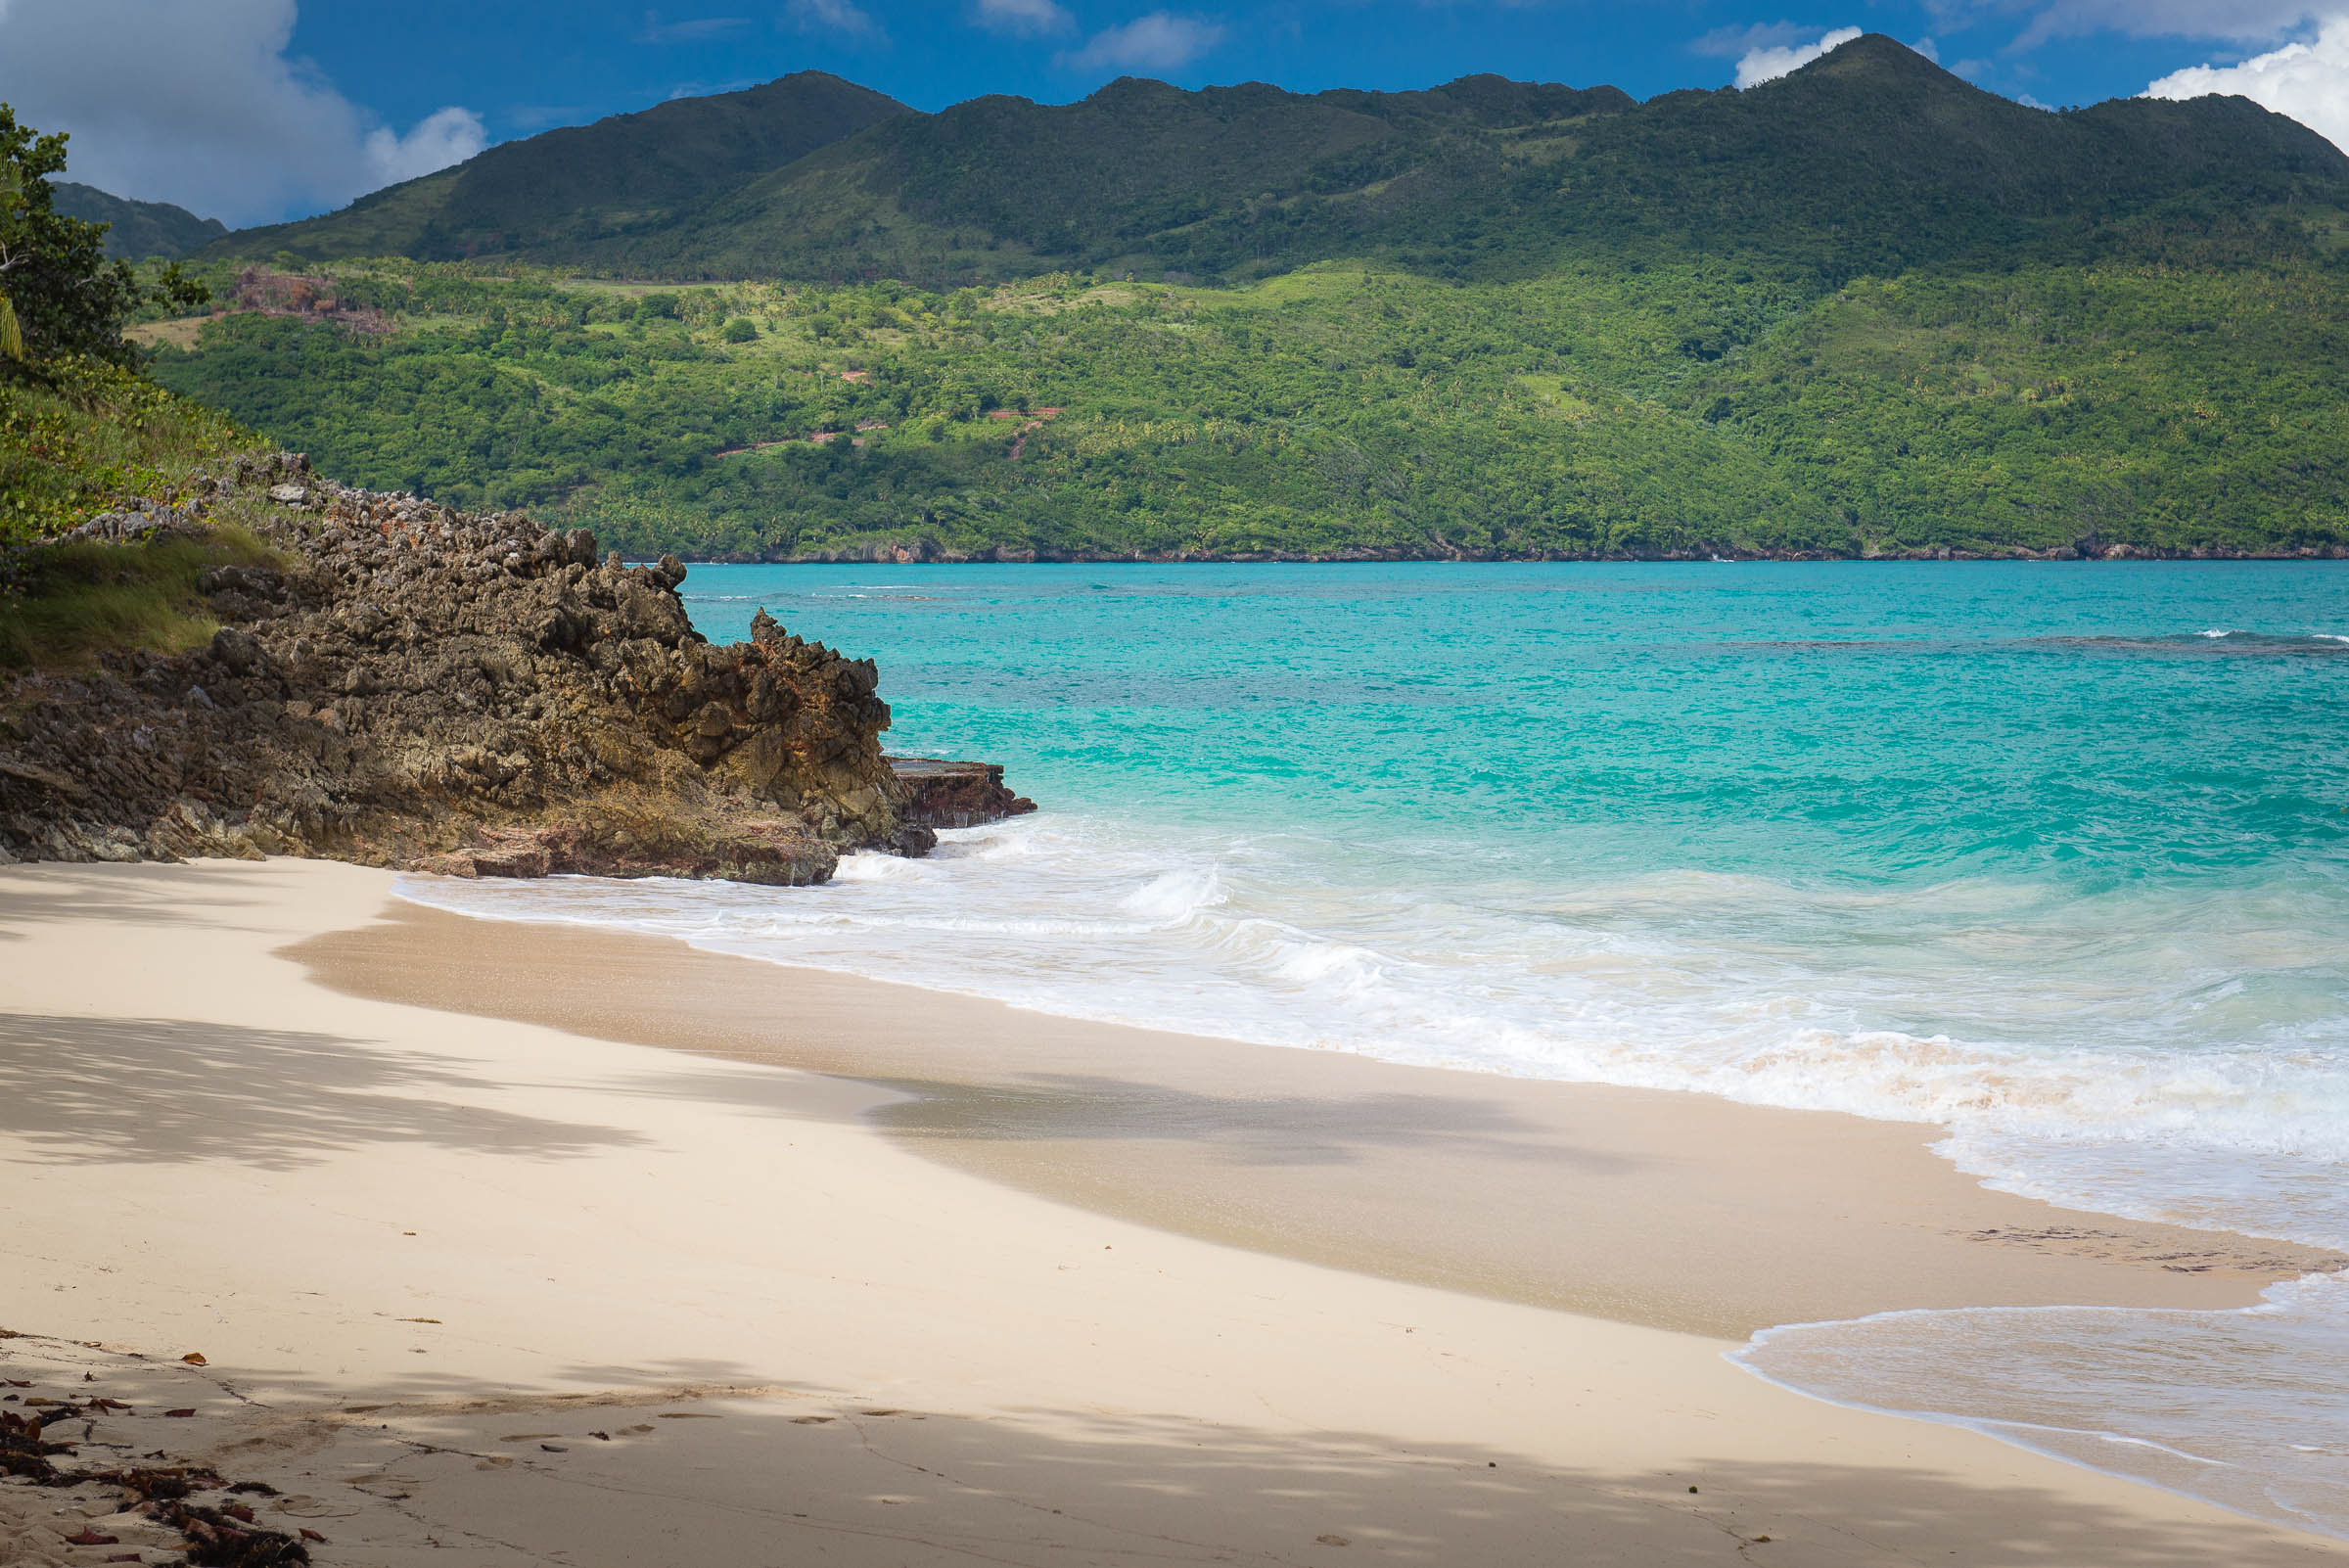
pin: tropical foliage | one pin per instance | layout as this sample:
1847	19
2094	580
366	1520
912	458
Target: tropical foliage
2175	400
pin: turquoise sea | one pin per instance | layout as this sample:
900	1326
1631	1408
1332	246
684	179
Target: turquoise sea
2055	856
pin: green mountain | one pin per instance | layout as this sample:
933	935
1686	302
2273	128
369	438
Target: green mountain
1870	160
571	188
140	229
1862	309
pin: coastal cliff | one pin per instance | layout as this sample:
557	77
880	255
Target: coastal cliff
399	683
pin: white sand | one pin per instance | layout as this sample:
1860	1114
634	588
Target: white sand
205	1152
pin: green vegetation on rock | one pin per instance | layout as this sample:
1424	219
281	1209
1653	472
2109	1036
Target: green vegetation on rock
82	432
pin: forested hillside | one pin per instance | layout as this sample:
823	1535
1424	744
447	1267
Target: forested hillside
1341	410
137	230
564	190
1864	309
1870	160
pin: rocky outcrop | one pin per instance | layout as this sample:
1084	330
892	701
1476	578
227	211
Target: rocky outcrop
412	686
940	794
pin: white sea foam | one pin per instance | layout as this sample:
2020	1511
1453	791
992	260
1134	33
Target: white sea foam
2172	1054
2073	1076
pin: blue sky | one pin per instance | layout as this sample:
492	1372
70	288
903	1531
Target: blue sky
523	65
255	110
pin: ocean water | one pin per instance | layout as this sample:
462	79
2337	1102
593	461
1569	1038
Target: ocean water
2055	856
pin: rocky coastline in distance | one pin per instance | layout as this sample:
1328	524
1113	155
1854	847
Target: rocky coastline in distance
406	685
926	552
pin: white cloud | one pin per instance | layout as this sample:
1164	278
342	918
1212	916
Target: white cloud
701	29
199	104
842	17
441	138
1730	42
2309	81
1758	66
1023	17
1159	41
2246	22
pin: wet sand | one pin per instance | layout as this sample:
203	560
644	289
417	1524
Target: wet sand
1675	1211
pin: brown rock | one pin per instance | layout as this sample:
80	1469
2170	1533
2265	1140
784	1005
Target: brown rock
472	695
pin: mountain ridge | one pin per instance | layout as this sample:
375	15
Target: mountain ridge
584	181
1867	159
137	229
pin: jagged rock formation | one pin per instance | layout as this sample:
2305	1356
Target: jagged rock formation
940	794
470	694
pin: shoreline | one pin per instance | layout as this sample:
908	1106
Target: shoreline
425	1252
1465	1180
2019	556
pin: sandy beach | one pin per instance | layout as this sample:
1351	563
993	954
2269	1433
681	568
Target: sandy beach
534	1245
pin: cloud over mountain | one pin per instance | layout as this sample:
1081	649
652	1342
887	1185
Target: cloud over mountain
1023	17
1770	62
200	106
1160	41
2309	81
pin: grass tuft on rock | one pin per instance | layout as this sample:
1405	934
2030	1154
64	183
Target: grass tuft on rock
74	600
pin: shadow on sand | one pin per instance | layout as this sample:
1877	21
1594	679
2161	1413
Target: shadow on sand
101	1090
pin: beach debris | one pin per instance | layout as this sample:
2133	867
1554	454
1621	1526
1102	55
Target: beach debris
1331	1541
308	1534
810	1420
227	1538
91	1537
195	1358
606	1436
181	1413
554	1448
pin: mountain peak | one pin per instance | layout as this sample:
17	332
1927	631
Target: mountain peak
1877	56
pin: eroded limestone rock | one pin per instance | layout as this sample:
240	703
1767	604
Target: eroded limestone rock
473	694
